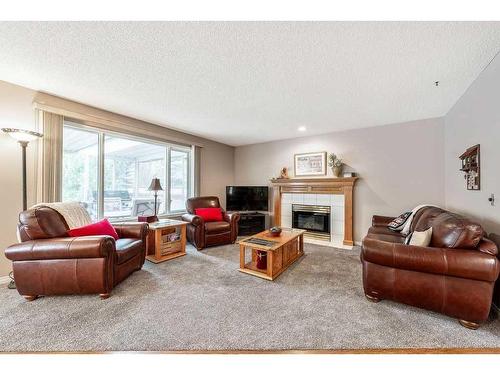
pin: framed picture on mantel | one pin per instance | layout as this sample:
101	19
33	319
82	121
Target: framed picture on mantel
310	164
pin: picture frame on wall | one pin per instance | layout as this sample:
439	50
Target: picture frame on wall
310	164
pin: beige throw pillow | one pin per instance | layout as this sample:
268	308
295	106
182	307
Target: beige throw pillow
420	238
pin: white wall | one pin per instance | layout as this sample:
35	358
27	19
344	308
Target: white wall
400	165
474	119
16	111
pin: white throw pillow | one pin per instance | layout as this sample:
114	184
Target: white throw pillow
419	238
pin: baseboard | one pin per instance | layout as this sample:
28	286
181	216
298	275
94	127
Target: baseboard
4	280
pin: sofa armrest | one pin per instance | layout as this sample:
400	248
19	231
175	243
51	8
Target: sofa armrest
132	230
193	219
62	248
232	217
464	263
381	221
487	246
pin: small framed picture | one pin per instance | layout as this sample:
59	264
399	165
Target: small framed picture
310	164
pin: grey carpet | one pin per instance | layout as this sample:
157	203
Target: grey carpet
202	302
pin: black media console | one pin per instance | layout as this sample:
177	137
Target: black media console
251	223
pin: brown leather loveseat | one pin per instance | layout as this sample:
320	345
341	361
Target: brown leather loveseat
202	234
48	262
454	276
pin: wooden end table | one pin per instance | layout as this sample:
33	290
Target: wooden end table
281	251
166	240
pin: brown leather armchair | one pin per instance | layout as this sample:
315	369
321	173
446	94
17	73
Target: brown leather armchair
48	262
454	275
202	234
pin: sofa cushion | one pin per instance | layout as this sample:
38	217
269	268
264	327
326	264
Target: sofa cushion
127	248
456	232
424	217
40	223
214	227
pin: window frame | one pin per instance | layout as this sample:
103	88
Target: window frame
102	133
188	176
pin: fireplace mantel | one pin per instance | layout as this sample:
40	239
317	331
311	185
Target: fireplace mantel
342	186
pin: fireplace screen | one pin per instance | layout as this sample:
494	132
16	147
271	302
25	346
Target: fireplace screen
314	219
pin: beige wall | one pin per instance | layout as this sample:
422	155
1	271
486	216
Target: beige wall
474	119
400	166
16	111
217	166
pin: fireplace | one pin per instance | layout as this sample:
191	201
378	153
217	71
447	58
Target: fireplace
314	219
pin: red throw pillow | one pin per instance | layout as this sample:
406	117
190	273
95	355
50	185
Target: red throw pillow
209	214
100	228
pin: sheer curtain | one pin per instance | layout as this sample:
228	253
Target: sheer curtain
49	157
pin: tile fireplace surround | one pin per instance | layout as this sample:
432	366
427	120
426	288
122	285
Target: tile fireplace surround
335	193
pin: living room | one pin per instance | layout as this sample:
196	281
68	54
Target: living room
249	187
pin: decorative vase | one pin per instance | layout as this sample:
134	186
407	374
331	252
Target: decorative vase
337	171
261	260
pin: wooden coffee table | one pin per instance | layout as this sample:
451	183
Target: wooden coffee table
281	252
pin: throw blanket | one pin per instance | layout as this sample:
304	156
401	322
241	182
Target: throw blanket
73	212
406	228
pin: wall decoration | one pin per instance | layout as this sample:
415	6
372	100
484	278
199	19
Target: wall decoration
471	166
336	164
284	173
310	164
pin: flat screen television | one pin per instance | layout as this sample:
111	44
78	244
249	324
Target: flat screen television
247	198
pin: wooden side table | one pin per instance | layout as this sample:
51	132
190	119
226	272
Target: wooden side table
166	240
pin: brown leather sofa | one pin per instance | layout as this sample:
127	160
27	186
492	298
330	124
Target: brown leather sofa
202	234
48	262
454	276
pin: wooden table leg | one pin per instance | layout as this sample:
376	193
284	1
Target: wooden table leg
242	256
270	264
183	238
301	244
158	241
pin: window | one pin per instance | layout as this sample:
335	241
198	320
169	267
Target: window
80	168
127	164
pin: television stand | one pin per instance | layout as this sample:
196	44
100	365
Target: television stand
251	223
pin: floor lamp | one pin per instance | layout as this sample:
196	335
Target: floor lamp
23	137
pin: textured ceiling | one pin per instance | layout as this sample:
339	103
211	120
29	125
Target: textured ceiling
249	82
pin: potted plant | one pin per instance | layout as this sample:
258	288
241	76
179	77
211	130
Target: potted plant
336	164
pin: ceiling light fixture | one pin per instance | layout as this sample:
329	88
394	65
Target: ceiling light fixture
302	129
436	83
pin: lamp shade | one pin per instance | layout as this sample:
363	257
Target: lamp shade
22	135
155	185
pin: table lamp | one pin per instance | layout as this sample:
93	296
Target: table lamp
156	187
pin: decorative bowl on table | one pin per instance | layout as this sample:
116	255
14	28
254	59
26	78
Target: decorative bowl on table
275	231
